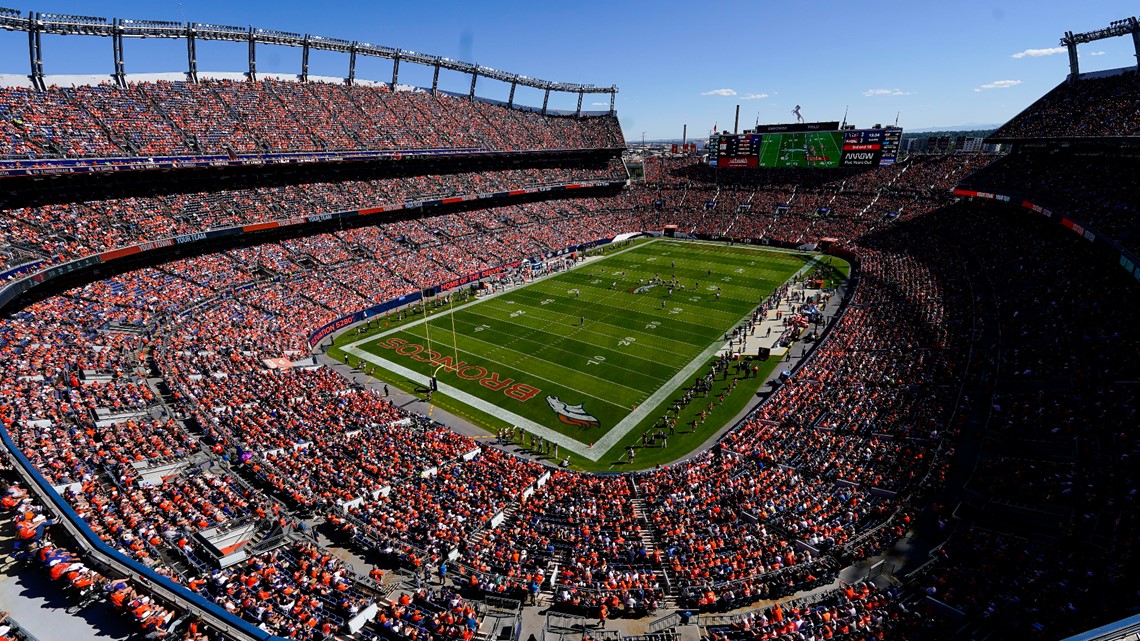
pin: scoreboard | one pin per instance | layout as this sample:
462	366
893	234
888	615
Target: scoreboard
870	147
806	148
737	151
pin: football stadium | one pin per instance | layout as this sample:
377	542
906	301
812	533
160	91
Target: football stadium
436	354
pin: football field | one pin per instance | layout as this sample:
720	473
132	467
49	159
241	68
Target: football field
584	356
806	149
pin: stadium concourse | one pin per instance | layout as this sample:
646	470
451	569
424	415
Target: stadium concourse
178	460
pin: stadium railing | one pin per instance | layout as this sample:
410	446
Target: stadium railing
97	551
1126	259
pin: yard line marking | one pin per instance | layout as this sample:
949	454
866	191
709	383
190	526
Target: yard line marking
557	365
594	321
627	424
548	343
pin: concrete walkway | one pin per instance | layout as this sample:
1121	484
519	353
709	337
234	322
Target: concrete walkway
28	595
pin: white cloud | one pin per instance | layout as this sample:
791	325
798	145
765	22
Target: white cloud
754	96
886	92
1037	53
599	104
719	92
999	84
1096	53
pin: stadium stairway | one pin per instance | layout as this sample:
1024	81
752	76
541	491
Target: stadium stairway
363	114
237	118
190	141
318	143
120	142
509	512
651	539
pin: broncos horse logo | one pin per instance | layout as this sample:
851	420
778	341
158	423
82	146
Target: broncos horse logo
572	414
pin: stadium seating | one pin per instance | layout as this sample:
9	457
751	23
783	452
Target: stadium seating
243	407
58	232
278	315
144	612
1097	188
795	206
1088	108
1050	495
171	365
231	117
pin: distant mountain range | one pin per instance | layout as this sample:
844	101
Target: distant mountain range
951	133
955	128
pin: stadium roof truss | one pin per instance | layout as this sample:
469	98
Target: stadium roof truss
35	24
1114	29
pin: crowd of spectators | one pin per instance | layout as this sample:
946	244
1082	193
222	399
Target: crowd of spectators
793	206
429	614
713	519
856	612
61	231
318	442
272	116
297	591
1097	189
82	585
826	471
1054	490
590	529
1098	107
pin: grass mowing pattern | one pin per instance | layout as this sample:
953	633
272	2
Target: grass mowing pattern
628	347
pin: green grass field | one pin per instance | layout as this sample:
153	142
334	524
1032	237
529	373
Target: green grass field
794	149
588	356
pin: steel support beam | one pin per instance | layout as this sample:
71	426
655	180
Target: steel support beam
305	60
117	50
1136	39
252	55
119	30
352	64
191	55
35	55
1074	66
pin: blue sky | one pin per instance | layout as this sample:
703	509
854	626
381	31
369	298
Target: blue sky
935	64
